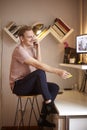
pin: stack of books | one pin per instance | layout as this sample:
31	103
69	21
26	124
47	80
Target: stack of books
59	28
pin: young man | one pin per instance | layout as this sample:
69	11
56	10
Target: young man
27	73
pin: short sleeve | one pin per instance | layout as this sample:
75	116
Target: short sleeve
21	54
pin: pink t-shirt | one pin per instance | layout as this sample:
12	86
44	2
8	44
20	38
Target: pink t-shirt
18	68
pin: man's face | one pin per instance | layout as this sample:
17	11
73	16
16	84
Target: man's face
28	38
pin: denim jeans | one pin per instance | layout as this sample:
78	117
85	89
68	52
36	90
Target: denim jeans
36	83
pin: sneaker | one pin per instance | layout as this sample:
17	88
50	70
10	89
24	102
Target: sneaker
45	123
54	111
51	108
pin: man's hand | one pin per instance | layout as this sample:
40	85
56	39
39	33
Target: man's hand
36	43
64	74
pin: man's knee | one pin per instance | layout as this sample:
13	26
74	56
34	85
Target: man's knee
56	87
40	72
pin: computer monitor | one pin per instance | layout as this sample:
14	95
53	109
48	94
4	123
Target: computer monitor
81	43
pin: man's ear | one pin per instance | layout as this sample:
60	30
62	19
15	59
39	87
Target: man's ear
21	38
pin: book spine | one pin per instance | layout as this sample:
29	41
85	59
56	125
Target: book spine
62	24
12	28
58	36
15	32
61	27
16	29
58	30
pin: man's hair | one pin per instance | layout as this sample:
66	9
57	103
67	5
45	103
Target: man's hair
23	29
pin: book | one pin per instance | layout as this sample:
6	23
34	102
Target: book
56	35
16	29
15	32
12	28
61	27
59	21
58	31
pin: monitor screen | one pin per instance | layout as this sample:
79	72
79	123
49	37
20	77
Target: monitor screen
81	43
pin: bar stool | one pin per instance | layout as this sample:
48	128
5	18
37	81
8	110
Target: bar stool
22	109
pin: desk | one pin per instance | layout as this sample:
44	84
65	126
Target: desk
71	104
81	67
76	66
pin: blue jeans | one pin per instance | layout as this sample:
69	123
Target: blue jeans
36	83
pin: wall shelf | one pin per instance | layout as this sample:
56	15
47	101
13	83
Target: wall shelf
60	39
59	30
11	35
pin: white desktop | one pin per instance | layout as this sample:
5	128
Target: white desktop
72	105
72	108
76	66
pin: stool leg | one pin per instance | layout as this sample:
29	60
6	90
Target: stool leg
32	110
19	108
22	113
19	104
16	112
37	105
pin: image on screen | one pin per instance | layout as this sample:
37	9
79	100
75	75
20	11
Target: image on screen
81	43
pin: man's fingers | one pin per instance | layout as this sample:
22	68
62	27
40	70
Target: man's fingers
67	75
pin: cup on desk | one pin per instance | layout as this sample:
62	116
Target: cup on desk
84	58
72	60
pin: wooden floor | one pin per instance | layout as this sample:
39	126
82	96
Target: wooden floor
26	128
21	128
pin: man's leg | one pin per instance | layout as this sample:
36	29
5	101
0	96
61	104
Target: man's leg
36	82
47	108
